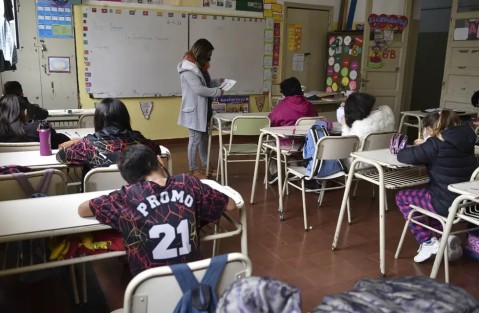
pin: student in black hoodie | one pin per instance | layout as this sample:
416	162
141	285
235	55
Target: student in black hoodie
448	155
14	126
35	112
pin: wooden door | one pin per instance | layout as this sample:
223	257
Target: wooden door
383	77
307	59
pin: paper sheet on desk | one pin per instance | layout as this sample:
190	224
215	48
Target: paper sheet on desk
227	84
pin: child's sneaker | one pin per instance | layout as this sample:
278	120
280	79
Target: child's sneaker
472	247
426	250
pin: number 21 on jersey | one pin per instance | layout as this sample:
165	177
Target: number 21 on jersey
162	250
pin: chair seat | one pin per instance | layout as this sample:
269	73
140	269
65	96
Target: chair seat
244	148
300	171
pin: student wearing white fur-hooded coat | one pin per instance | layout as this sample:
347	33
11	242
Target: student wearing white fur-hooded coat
360	119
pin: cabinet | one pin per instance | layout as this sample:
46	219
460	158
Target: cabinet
461	71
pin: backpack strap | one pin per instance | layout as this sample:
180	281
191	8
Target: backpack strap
214	271
45	182
24	184
184	276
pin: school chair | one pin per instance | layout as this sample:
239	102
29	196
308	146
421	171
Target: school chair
464	208
146	292
242	126
374	141
103	178
86	121
13	189
327	148
19	146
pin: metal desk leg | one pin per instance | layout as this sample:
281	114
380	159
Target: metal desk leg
255	174
210	133
220	154
347	188
280	179
382	227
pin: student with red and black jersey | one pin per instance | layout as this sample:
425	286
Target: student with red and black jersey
157	215
112	134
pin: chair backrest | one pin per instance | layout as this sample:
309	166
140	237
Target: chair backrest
11	189
336	147
308	121
248	125
475	174
86	121
19	146
103	178
156	289
375	141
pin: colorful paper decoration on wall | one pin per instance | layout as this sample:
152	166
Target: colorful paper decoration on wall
344	59
146	108
294	37
231	104
383	21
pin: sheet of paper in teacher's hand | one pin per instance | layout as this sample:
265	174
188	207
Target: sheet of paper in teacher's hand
227	84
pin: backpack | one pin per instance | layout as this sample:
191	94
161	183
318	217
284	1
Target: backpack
28	188
397	143
316	132
199	296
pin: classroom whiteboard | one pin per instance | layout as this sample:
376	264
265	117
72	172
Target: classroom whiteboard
239	49
131	52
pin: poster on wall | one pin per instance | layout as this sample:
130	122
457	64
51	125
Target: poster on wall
227	104
54	18
344	61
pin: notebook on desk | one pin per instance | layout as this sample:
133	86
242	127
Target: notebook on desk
318	95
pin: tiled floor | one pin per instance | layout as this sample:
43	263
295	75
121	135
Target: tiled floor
282	250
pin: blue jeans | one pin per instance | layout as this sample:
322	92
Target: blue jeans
198	141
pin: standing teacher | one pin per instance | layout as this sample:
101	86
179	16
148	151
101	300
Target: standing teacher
197	88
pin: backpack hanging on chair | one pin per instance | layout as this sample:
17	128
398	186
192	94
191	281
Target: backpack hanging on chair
316	132
199	296
27	187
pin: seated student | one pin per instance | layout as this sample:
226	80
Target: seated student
292	107
14	126
359	118
449	158
35	112
475	103
112	134
157	215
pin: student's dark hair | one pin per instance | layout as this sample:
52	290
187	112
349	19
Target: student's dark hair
358	106
291	87
111	112
136	162
446	119
12	87
475	99
200	49
12	116
430	119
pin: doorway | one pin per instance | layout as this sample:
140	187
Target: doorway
305	56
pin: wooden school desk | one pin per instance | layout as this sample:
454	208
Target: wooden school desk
76	133
220	122
35	218
70	112
387	173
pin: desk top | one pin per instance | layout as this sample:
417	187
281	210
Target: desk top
466	188
326	101
49	216
75	133
228	117
423	114
30	158
70	112
382	156
287	131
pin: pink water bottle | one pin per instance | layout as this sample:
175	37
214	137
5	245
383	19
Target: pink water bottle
45	138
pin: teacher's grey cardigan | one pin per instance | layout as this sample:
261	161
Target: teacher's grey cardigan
194	96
